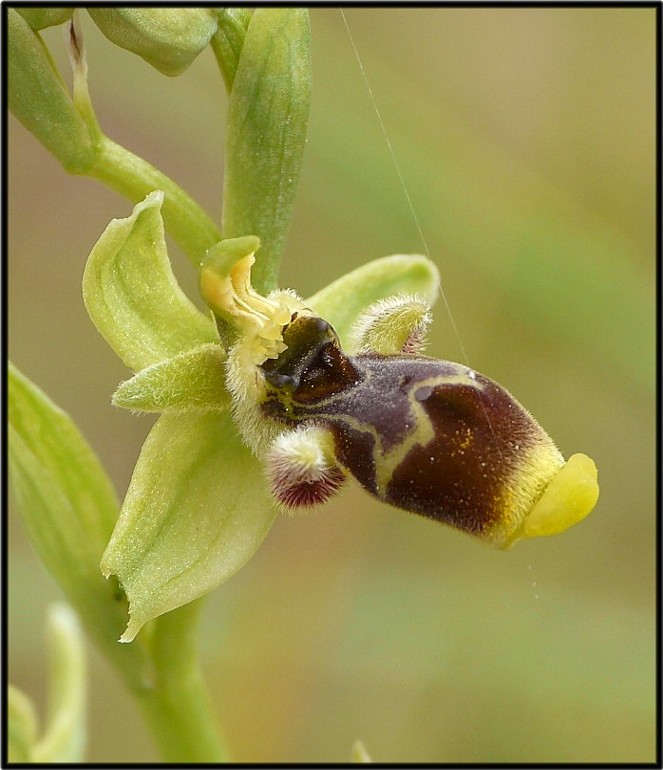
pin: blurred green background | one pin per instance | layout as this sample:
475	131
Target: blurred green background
526	137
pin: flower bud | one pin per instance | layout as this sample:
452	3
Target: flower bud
167	38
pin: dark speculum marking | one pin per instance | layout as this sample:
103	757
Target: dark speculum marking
313	367
424	435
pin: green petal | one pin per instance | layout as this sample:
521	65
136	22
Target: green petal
344	300
64	739
132	296
68	507
196	510
21	726
193	381
267	122
167	38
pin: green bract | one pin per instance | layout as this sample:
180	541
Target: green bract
267	122
198	505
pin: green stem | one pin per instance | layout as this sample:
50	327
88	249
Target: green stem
188	224
177	708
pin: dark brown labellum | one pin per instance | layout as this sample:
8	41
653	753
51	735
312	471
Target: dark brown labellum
432	437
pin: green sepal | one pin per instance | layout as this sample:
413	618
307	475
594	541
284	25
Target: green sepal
69	508
228	40
343	301
40	18
65	734
167	38
196	510
267	122
132	296
21	726
193	381
39	98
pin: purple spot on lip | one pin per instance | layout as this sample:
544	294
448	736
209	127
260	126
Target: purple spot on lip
423	394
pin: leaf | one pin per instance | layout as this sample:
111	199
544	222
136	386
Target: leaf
267	123
344	300
132	296
196	510
68	507
47	441
189	382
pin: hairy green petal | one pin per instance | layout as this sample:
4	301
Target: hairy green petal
21	726
196	510
132	296
64	738
343	301
69	508
391	326
267	122
167	38
193	381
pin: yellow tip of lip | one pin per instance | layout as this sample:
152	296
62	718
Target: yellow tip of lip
568	499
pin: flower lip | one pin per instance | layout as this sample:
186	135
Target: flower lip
431	437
